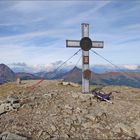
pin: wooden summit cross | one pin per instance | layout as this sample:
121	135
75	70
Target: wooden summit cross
86	44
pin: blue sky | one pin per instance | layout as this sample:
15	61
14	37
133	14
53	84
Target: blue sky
34	32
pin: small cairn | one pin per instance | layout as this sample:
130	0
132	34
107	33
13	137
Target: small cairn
18	81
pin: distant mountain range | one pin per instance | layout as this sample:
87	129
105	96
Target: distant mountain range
74	75
6	74
22	67
109	68
26	76
108	78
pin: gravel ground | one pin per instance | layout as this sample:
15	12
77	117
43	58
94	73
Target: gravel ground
54	111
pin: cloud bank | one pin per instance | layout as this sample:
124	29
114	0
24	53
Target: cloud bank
35	32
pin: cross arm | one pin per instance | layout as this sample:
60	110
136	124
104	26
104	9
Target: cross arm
76	44
97	44
73	43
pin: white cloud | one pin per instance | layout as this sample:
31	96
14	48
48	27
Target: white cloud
45	26
86	16
34	55
19	64
28	37
131	67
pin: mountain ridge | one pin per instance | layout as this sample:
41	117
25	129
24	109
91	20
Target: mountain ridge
110	78
26	76
97	68
6	74
75	75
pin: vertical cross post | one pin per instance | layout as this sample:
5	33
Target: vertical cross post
85	44
85	54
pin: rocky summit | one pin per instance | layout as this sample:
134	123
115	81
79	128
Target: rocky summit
51	110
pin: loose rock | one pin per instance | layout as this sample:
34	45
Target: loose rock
11	136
